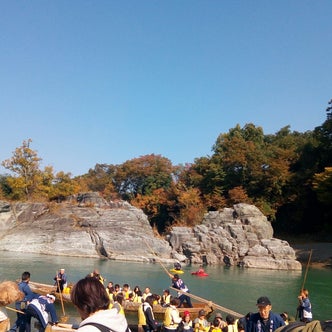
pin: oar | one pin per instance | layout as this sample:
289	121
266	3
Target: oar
304	278
210	303
158	259
19	311
61	299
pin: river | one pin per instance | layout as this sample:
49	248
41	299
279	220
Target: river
234	288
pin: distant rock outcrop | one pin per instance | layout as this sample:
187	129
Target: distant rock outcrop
240	236
89	226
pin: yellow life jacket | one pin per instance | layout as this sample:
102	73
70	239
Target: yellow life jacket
233	327
141	315
168	320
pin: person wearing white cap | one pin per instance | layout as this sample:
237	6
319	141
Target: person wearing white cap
264	320
41	308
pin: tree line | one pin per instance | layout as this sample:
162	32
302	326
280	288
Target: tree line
287	175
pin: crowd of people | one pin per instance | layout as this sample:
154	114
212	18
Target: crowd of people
101	308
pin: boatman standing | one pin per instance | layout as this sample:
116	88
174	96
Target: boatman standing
179	284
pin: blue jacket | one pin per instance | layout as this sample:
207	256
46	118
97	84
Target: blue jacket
28	295
256	324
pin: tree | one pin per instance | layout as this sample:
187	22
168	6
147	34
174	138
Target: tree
25	163
142	176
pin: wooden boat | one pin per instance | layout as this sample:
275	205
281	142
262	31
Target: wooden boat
44	289
159	311
129	307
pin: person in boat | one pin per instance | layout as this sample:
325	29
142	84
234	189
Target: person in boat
126	291
92	301
177	266
41	308
304	308
20	306
151	323
200	323
166	298
186	324
200	270
172	317
96	274
178	283
284	316
9	292
264	319
146	293
215	326
231	325
137	294
60	281
118	303
221	322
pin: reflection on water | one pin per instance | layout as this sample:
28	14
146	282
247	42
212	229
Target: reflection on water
233	288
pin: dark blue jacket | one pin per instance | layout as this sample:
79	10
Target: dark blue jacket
256	324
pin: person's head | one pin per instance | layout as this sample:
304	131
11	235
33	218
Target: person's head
218	316
62	271
147	290
149	300
136	289
201	314
89	296
175	277
304	293
264	306
230	319
125	287
175	302
166	292
186	316
284	316
216	322
26	276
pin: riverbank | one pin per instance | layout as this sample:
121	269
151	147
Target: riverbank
321	255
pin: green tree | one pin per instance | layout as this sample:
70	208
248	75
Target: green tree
25	164
142	176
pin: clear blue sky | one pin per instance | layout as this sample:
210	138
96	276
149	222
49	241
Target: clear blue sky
104	81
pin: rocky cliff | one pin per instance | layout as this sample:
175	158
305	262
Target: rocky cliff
91	227
234	236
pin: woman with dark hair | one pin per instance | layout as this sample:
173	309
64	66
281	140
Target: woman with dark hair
151	324
92	302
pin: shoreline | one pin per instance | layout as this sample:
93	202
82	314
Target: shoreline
321	253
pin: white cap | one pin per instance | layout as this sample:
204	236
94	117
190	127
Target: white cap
50	296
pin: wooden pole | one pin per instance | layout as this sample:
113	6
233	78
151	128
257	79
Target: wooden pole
210	303
306	270
304	279
158	259
12	309
61	299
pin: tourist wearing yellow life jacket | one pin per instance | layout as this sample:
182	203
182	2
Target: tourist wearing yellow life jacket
172	317
166	298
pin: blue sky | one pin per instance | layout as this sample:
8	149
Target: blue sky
107	81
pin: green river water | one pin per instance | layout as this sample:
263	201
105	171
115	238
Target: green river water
234	288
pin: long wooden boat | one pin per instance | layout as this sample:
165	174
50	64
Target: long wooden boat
44	289
129	307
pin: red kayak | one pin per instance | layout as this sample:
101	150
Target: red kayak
200	274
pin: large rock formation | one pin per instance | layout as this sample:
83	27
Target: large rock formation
239	236
89	226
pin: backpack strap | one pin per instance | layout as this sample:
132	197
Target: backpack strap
102	327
